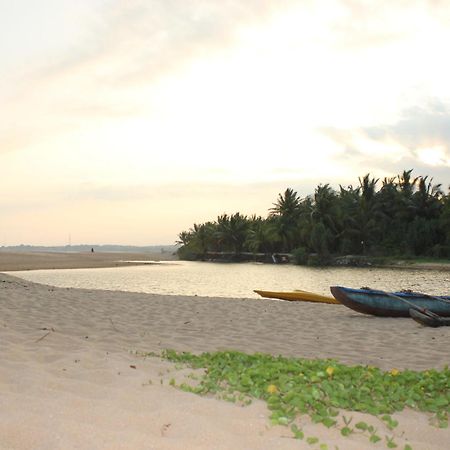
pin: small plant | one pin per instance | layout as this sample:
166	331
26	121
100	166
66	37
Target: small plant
312	440
390	442
298	434
390	422
319	388
346	431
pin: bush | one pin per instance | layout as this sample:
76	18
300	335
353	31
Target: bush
300	256
440	251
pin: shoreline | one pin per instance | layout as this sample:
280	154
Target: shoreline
21	261
418	266
72	375
18	261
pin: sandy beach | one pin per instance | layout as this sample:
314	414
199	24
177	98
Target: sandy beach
73	375
12	261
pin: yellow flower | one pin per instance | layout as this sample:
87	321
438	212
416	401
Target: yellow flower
330	371
272	389
394	372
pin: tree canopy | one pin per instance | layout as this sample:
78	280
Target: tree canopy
401	216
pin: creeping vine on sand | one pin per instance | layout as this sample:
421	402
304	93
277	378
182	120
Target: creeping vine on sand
319	388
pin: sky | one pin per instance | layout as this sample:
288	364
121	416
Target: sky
127	121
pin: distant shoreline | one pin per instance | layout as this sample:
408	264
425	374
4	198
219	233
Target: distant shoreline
336	261
418	265
16	261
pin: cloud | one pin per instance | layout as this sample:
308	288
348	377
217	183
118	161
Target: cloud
416	127
419	139
419	127
136	41
365	24
126	46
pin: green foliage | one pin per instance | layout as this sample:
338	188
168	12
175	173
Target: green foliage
292	387
406	216
300	256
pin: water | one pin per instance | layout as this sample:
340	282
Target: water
238	280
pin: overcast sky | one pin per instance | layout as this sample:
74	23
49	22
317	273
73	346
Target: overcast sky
126	121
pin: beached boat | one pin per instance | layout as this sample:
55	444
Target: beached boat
397	304
429	320
298	296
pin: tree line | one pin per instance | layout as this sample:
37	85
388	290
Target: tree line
401	216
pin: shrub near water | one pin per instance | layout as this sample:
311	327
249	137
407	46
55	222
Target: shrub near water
318	388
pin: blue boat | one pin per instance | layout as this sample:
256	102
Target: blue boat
396	304
429	321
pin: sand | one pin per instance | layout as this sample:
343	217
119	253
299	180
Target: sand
70	377
12	261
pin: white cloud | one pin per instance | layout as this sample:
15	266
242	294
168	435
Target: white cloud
140	95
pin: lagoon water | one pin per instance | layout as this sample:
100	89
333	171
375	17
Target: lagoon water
238	280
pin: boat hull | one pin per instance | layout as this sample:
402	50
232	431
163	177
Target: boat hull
379	303
298	296
429	321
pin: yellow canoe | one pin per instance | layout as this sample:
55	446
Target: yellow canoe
298	296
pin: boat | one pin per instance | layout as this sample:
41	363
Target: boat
395	304
428	320
298	296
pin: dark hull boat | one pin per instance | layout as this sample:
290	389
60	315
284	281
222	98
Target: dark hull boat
429	321
398	304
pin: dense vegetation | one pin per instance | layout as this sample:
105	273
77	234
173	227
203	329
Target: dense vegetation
401	216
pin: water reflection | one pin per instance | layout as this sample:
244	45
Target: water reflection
238	280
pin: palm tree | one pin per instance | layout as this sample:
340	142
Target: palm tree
232	231
427	198
324	217
202	237
261	236
286	205
184	238
366	219
406	214
285	214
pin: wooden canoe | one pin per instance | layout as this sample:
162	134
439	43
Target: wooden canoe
298	296
429	321
397	304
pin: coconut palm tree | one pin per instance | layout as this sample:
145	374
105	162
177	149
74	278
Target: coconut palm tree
285	214
324	217
232	231
261	236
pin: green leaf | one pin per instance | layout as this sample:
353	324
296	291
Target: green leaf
362	426
328	422
283	420
441	401
346	431
305	388
298	434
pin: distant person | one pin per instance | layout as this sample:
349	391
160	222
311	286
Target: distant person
92	250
